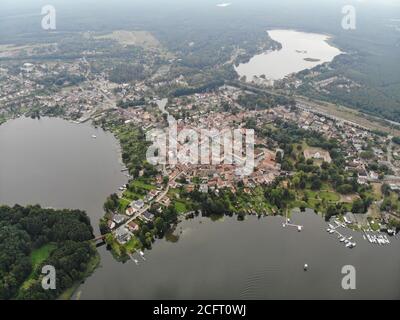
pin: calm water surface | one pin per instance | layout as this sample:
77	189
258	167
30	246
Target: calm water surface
55	163
296	47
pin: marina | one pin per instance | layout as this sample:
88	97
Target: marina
347	240
378	239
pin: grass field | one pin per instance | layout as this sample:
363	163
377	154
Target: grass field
132	38
180	207
142	185
329	196
41	254
37	257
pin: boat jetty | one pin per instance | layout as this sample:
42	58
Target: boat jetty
288	223
379	239
347	241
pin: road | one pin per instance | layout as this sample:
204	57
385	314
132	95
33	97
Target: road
316	108
390	157
158	199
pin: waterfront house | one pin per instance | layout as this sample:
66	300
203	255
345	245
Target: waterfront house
148	216
119	218
130	211
111	224
122	235
132	226
137	205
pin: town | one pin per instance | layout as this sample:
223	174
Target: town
304	157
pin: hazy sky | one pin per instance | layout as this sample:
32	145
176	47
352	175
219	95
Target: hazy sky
110	13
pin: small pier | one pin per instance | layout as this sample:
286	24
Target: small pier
342	238
288	223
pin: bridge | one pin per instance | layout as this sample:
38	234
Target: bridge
98	238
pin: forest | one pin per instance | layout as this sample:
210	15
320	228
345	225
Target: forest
31	237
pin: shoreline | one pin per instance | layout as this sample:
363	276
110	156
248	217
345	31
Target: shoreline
327	38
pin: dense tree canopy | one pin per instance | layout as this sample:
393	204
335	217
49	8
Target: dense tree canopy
25	229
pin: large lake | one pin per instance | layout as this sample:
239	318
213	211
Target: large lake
297	50
56	163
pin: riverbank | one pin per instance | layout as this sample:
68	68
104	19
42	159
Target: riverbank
92	265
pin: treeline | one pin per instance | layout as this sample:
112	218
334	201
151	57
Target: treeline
286	134
264	101
396	140
123	73
62	80
25	229
378	80
131	103
134	148
201	89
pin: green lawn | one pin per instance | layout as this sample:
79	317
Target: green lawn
133	245
131	195
142	185
123	204
329	196
311	194
37	257
41	254
180	207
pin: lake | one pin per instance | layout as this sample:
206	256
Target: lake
254	259
300	51
59	164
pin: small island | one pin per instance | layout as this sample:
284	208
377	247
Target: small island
32	237
311	60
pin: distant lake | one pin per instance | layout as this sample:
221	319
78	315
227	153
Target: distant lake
300	51
56	163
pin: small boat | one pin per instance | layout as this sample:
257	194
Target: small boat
299	228
348	245
328	230
135	261
306	267
350	238
94	136
141	253
387	240
331	231
342	239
